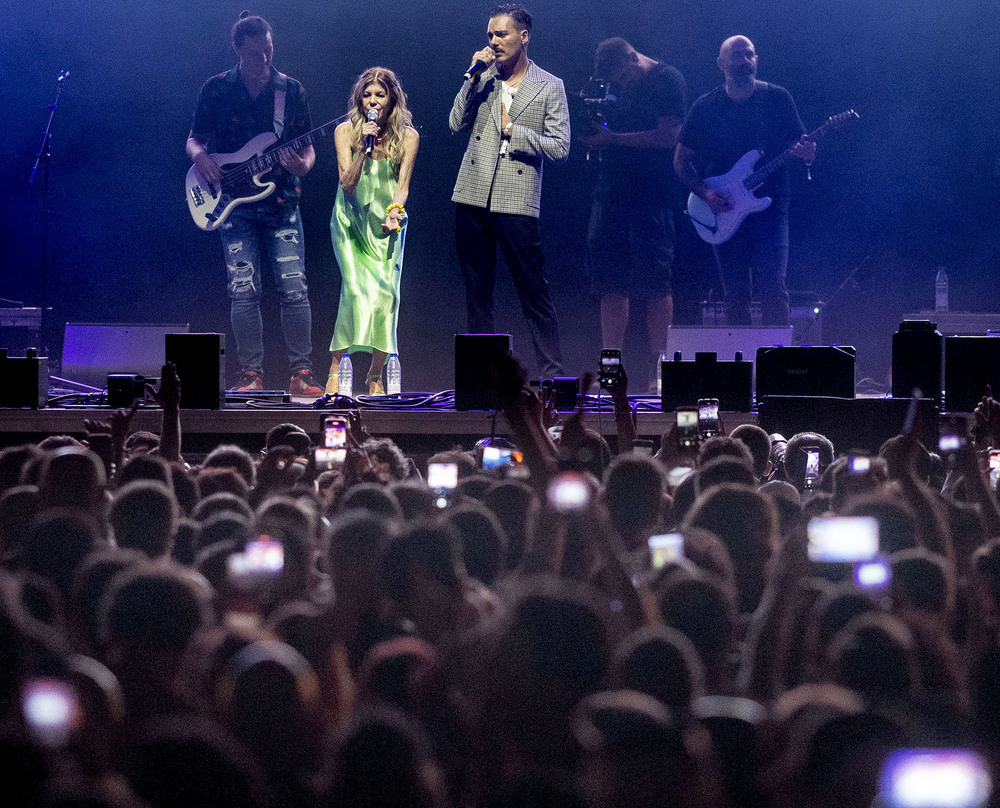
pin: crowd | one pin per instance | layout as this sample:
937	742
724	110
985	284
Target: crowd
259	631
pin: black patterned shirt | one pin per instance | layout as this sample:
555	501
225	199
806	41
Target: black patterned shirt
226	118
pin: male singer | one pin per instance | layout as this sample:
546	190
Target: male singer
519	117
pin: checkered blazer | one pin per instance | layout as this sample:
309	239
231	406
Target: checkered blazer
540	132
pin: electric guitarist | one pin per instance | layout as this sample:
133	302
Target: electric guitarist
721	127
251	99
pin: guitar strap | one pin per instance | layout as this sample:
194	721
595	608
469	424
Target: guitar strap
280	85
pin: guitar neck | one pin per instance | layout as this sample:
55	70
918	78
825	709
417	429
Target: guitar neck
755	179
270	158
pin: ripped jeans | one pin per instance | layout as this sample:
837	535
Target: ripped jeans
255	233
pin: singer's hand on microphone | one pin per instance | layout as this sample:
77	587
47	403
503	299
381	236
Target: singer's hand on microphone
486	56
369	129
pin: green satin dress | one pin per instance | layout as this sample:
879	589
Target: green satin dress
370	263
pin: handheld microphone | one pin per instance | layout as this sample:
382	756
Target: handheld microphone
370	139
472	74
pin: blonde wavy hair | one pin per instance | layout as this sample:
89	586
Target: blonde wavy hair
399	117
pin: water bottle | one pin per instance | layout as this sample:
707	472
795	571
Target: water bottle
941	290
345	376
659	372
393	376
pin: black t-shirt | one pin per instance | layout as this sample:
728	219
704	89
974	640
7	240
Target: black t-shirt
226	118
658	94
720	131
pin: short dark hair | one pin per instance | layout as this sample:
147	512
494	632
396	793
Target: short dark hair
518	13
249	25
610	55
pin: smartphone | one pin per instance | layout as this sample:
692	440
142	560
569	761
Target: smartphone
687	427
666	548
873	576
51	710
329	459
334	431
708	417
611	368
442	479
812	468
569	492
839	539
262	557
935	778
954	433
494	457
855	465
677	475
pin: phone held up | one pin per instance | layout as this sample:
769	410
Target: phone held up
708	417
687	428
611	368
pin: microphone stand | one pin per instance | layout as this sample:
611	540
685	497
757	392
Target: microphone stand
45	152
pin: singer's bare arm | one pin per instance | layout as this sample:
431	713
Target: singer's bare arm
411	141
349	159
553	142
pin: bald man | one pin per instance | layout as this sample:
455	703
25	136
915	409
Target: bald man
724	124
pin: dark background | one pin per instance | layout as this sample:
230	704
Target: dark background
914	186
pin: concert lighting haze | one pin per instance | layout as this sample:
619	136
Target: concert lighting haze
913	186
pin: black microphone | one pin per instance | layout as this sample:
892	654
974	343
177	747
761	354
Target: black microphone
472	74
370	139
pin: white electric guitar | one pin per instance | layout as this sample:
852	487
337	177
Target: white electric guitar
210	205
739	184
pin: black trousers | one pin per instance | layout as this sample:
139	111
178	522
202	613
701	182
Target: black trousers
478	233
755	261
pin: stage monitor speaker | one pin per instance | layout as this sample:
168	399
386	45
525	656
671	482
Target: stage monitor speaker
94	351
24	380
476	370
683	383
821	370
201	368
970	364
861	424
917	360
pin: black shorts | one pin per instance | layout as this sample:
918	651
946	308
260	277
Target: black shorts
630	248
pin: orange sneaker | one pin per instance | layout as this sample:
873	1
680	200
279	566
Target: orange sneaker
304	384
249	380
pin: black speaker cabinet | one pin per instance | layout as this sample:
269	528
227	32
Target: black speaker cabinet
476	370
863	424
683	383
917	360
201	367
970	364
819	370
24	381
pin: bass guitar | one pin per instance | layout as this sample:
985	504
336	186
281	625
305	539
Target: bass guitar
210	206
739	184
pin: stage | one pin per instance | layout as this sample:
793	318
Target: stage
417	430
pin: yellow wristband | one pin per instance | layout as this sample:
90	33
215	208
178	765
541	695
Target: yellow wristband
395	206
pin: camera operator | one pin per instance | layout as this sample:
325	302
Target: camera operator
630	240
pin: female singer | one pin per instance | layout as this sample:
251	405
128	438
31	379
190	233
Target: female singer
376	149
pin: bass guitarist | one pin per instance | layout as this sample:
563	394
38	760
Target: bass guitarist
741	115
233	108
